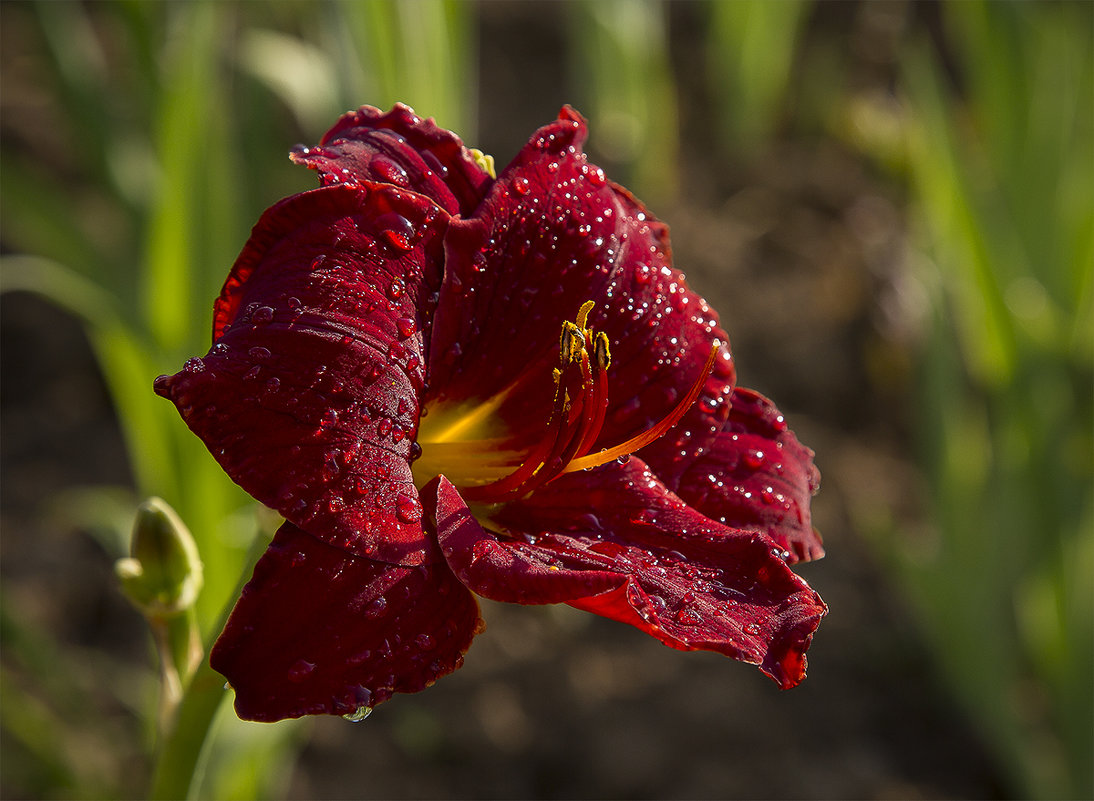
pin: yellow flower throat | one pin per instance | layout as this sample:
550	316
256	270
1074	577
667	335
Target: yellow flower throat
468	444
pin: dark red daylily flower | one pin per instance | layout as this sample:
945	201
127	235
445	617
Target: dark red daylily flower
439	377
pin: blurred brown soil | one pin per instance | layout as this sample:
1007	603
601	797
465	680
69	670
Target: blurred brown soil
799	252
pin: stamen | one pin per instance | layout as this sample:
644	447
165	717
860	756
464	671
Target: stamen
645	438
597	393
498	469
534	460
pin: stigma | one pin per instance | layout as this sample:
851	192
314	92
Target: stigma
501	467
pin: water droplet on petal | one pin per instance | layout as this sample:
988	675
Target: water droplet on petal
262	315
396	230
407	326
387	170
408	509
688	617
358	714
754	459
300	670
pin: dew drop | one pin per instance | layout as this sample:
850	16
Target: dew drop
754	459
387	170
396	230
397	289
434	163
300	670
480	549
688	617
407	326
331	467
262	315
358	714
408	509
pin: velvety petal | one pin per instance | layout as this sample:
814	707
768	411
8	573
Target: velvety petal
551	234
399	148
309	396
614	541
753	474
320	631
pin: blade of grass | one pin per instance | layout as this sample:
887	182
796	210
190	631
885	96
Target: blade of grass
620	50
751	46
167	293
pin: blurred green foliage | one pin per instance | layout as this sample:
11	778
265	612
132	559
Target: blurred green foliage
168	137
1001	167
163	137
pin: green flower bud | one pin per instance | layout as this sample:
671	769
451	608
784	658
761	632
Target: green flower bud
163	573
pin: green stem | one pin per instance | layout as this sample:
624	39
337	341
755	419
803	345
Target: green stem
176	774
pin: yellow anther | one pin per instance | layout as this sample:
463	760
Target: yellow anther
484	160
583	314
572	343
601	352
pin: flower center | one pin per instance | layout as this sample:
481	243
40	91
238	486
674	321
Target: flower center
490	465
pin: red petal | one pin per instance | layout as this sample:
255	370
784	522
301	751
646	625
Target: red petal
309	398
551	234
753	474
402	149
319	631
614	541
